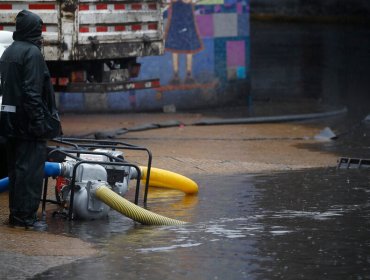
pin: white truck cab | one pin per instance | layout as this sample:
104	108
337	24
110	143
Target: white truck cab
6	38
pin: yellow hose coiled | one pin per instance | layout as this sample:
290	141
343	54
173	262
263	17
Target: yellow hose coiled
131	210
167	179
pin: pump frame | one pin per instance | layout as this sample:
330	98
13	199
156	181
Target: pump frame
83	146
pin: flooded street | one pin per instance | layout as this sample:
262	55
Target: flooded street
316	225
311	224
276	222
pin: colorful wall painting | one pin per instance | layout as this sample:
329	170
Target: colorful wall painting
206	62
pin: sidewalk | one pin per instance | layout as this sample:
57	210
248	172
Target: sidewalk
215	149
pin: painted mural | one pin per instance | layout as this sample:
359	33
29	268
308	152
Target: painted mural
206	61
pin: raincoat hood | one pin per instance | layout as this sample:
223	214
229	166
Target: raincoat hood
28	27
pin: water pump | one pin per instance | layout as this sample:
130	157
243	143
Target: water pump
87	175
93	177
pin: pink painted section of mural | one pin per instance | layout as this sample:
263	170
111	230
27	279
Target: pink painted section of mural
205	25
235	51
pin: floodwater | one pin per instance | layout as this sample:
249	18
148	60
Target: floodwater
309	224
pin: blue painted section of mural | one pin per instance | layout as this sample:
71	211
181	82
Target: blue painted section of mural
206	61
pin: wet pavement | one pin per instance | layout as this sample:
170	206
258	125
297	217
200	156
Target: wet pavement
271	205
316	225
311	224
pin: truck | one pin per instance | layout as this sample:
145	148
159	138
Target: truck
93	45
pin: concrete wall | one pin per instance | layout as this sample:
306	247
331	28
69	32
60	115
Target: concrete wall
328	63
311	7
208	66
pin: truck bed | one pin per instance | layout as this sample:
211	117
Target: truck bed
93	29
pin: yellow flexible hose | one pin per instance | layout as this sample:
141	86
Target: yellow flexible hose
167	179
131	210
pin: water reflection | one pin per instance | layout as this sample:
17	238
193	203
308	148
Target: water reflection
325	217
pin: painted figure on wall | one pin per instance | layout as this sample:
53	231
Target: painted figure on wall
182	37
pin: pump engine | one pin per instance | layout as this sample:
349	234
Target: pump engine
81	178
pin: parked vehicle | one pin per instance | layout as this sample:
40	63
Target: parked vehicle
93	45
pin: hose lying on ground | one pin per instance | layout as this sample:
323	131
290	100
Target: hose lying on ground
4	184
50	169
131	210
249	120
272	119
166	179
